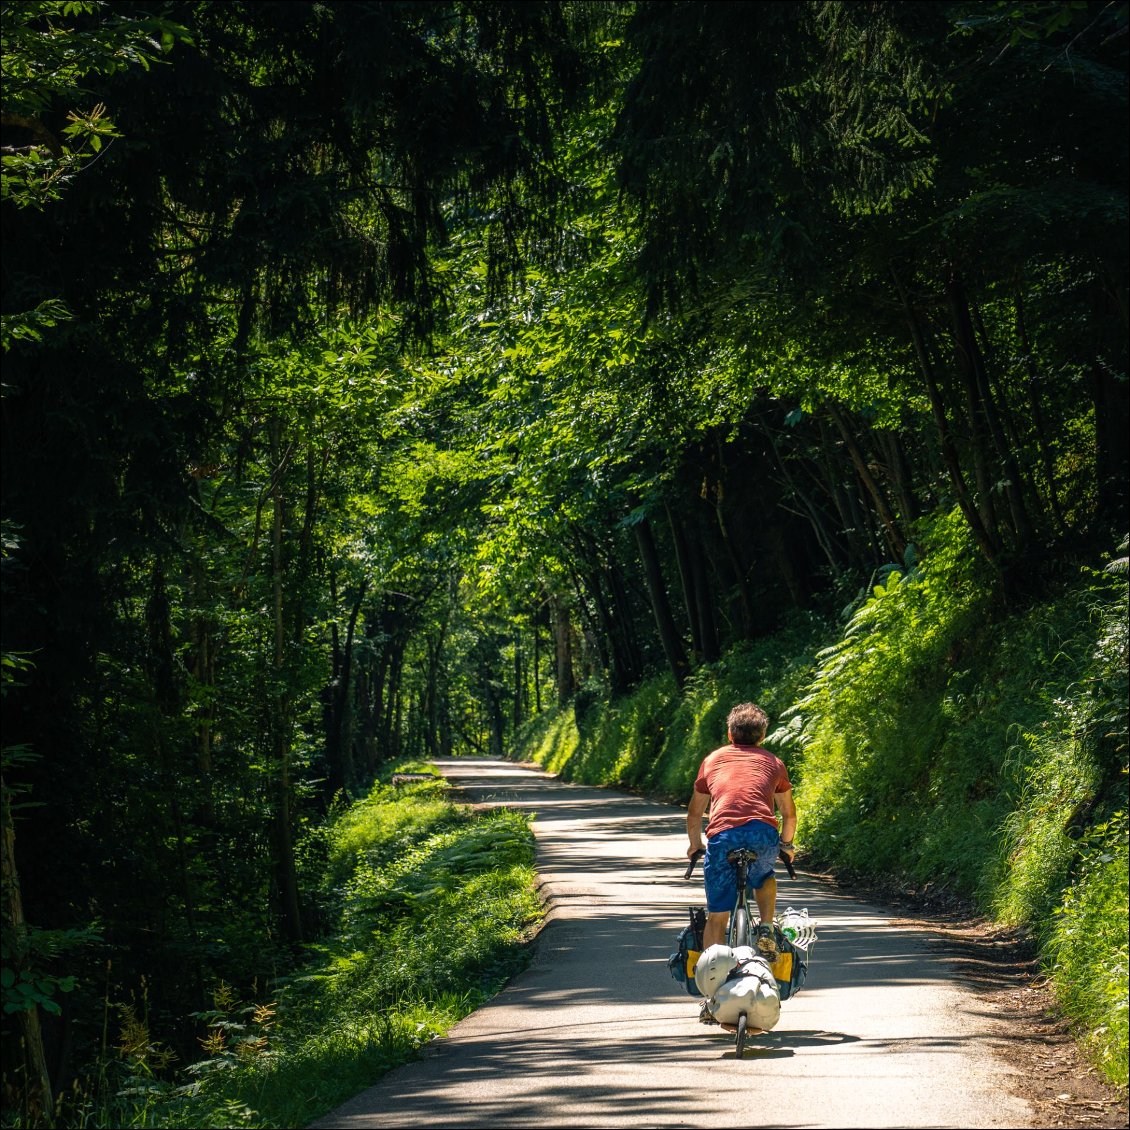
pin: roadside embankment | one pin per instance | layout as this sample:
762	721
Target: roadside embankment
941	742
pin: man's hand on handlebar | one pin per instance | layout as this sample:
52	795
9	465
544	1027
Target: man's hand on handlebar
694	849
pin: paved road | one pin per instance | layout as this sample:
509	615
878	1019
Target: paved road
595	1033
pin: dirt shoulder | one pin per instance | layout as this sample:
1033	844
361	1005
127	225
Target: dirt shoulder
1001	965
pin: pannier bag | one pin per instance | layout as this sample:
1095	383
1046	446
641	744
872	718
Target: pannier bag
796	933
682	962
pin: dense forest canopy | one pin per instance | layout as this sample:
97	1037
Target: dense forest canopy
378	374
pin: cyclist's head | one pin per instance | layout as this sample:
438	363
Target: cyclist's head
747	724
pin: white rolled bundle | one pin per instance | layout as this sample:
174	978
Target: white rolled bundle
755	993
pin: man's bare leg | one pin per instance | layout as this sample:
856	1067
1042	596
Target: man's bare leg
716	923
766	896
715	931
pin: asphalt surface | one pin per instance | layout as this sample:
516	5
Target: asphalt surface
596	1034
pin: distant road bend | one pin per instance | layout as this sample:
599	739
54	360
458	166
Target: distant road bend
595	1033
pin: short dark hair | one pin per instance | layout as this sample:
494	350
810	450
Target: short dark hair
747	723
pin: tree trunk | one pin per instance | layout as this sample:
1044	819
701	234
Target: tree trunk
287	878
204	672
895	540
898	471
537	661
863	520
335	781
983	427
607	633
563	647
612	612
435	667
374	707
660	607
704	603
519	678
682	562
857	553
628	652
593	639
343	697
965	317
497	723
811	510
981	533
773	537
310	509
1047	461
745	602
391	744
40	1101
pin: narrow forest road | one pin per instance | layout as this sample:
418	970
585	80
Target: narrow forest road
595	1033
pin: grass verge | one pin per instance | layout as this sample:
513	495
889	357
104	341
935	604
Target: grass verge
937	738
432	904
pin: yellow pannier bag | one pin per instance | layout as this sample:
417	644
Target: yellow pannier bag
791	967
692	961
682	962
783	966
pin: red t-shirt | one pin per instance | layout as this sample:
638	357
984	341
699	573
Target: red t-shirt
741	781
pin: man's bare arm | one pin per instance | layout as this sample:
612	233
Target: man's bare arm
695	812
787	807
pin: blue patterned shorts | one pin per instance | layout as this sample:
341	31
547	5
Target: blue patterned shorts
720	877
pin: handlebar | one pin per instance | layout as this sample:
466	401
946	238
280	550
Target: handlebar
700	853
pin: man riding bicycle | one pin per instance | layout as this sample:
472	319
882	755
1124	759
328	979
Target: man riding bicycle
744	786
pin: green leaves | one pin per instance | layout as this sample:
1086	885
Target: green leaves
52	49
30	326
24	990
1089	947
26	978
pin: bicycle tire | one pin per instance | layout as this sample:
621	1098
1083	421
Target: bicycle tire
739	928
743	1022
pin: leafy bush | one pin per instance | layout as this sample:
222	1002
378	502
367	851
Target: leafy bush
653	739
942	738
874	715
1089	945
433	904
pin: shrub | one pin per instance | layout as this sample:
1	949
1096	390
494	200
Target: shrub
432	904
941	737
1089	946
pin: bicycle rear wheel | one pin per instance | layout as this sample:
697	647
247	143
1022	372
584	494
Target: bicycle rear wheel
743	1022
739	928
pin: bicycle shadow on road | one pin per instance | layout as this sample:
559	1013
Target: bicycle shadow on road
784	1045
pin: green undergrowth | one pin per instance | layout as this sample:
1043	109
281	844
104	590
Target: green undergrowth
652	740
1088	947
937	738
432	904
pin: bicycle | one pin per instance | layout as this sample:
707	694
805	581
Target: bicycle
739	932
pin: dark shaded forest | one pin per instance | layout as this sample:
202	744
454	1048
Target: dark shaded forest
379	376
